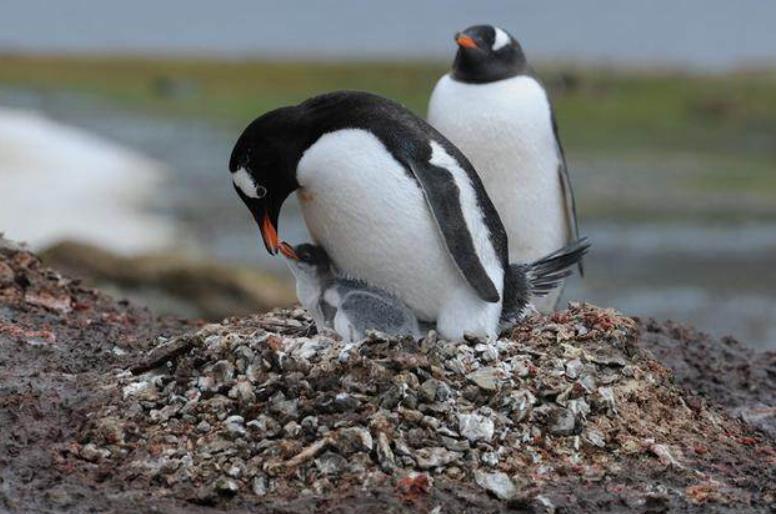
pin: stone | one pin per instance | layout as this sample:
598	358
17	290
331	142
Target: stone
260	485
92	453
499	484
353	439
292	429
428	390
487	378
243	392
573	368
226	486
309	424
476	427
562	422
384	453
330	463
434	457
235	426
264	426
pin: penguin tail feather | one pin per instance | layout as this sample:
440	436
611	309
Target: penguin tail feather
546	274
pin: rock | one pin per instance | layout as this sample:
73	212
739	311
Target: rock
282	407
330	463
203	427
499	484
260	485
222	372
264	426
143	390
292	429
434	457
309	424
594	437
487	378
164	414
606	396
475	427
562	422
7	274
443	392
384	453
344	402
573	368
226	486
428	390
456	445
490	459
354	439
92	453
235	426
243	392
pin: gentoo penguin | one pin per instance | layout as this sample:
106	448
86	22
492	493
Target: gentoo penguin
393	203
493	108
349	307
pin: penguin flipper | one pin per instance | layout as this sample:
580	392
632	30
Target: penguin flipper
569	202
443	198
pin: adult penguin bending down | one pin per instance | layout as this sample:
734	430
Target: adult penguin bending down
494	109
391	201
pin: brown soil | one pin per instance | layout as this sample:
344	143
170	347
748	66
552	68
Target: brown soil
62	347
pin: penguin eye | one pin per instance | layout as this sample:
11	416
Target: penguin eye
261	191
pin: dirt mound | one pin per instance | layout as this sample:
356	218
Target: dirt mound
104	407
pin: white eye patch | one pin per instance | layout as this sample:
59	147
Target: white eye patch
244	182
501	40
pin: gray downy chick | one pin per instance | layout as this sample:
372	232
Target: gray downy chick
349	307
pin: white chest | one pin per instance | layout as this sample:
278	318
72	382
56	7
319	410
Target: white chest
359	204
505	129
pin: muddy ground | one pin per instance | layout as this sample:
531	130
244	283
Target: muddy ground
59	340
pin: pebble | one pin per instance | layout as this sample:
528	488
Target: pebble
498	483
434	457
92	453
235	426
475	427
573	368
487	378
562	422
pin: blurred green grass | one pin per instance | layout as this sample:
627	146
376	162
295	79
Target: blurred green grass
726	122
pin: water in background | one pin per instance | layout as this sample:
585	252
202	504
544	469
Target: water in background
717	277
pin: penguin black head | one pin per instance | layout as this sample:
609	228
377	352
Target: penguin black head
262	166
487	54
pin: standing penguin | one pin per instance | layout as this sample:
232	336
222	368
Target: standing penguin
497	113
393	203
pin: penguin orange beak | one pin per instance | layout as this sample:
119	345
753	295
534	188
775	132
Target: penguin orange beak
270	234
288	251
465	41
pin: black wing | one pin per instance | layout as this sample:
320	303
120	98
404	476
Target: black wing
443	198
568	192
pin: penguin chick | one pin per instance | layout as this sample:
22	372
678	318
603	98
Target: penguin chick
349	307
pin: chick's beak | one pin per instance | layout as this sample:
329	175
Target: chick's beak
288	251
270	234
465	41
